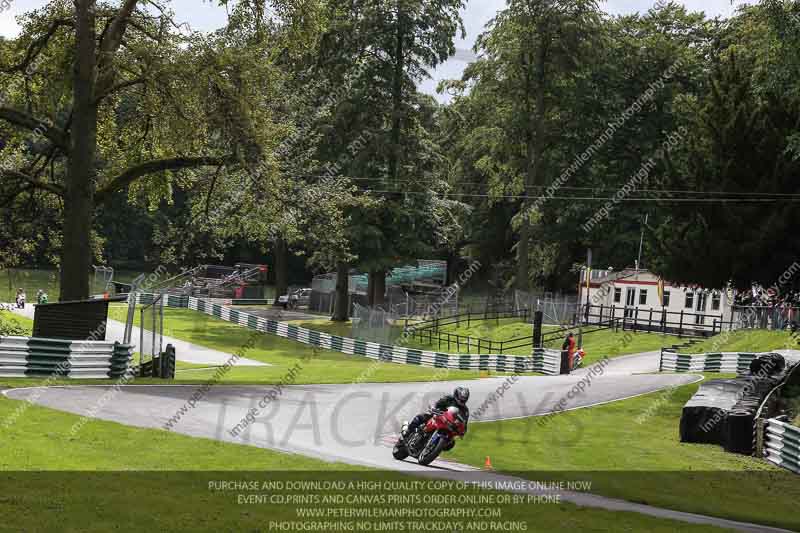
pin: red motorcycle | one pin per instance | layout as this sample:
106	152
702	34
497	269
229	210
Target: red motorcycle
431	438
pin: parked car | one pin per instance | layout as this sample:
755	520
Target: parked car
300	297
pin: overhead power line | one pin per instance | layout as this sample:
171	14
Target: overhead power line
596	198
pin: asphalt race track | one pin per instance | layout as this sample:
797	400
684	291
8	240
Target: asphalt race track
359	423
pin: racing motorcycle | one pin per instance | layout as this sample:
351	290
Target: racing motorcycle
432	438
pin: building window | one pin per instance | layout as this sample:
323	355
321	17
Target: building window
689	300
643	297
665	300
617	296
716	301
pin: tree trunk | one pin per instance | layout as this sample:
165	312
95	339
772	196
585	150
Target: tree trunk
378	278
76	255
451	270
341	310
535	153
397	101
281	269
370	290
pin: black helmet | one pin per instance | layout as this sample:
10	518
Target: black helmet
461	394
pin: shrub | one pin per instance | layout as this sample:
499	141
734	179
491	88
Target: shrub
11	328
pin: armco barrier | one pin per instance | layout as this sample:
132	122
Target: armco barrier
543	360
782	444
723	362
171	300
31	356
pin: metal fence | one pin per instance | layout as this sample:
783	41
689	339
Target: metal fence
151	331
656	320
557	308
103	280
762	317
429	333
374	324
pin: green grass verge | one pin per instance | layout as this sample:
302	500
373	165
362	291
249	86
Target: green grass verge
134	498
746	340
631	450
318	366
16	324
39	439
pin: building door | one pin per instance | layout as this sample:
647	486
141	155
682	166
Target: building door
630	301
702	301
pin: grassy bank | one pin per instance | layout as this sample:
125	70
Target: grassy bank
746	340
16	324
631	450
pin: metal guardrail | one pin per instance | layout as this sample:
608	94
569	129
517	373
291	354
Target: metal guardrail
782	444
723	362
542	360
31	356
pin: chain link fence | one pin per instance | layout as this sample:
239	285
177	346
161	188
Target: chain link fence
375	324
557	308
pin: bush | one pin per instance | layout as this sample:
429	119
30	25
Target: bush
11	328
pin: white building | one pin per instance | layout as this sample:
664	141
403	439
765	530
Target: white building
641	298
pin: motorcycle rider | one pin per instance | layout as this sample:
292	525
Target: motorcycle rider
458	399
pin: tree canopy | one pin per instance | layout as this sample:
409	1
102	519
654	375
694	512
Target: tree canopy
298	129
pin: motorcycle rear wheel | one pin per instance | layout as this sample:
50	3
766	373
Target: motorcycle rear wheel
400	451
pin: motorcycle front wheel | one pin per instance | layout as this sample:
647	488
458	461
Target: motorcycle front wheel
432	450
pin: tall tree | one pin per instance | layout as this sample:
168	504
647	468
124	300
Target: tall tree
531	54
144	102
742	144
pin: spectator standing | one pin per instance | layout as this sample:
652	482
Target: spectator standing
21	298
569	347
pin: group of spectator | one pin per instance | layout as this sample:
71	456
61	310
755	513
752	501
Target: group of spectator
766	308
41	298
